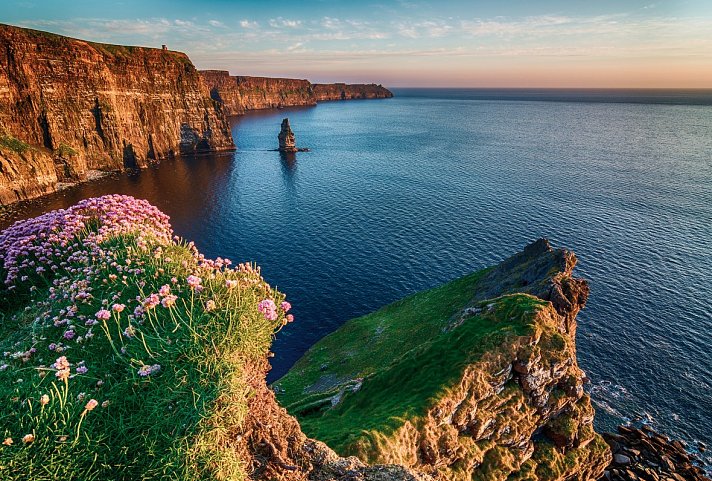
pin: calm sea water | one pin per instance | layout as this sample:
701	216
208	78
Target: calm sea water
404	194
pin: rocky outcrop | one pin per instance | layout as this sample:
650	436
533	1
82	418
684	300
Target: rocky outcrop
484	387
286	139
80	106
643	454
273	446
341	91
240	94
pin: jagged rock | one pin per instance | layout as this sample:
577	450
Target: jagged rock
286	138
651	456
476	379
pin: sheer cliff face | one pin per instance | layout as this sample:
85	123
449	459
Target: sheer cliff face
350	91
240	94
81	106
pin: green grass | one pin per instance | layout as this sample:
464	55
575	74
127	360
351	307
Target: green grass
64	151
7	141
164	426
410	354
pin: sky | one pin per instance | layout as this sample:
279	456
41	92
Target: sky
409	43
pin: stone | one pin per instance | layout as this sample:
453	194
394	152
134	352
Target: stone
287	142
621	459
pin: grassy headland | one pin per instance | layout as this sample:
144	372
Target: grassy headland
125	350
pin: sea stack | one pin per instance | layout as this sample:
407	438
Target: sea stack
286	138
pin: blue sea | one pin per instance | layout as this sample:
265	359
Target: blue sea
403	194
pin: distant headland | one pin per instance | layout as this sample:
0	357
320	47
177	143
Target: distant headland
71	109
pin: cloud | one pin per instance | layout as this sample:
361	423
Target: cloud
249	24
280	22
217	23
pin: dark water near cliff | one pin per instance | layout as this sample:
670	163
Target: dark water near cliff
403	194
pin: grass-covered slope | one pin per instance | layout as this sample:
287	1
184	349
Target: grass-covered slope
470	380
125	353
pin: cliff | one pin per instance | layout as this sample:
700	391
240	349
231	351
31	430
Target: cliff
129	355
340	91
476	379
240	94
69	106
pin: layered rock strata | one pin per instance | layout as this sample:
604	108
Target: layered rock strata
69	106
240	94
476	379
342	91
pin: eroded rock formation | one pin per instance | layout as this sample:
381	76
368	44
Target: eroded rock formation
240	94
69	106
286	139
489	389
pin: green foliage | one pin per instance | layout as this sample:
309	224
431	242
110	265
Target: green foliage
64	151
165	425
13	144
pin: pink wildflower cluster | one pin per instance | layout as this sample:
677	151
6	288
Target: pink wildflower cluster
268	309
52	241
146	370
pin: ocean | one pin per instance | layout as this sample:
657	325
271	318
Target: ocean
403	194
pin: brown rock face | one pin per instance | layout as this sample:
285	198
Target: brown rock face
341	91
240	94
84	106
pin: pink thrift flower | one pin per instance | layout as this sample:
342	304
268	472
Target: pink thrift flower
118	307
169	300
231	283
61	363
91	404
103	315
289	318
194	281
151	301
286	306
210	305
164	290
268	309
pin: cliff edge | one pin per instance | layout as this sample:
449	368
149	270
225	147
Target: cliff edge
476	379
69	106
240	94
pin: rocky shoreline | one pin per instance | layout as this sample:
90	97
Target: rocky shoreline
641	454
